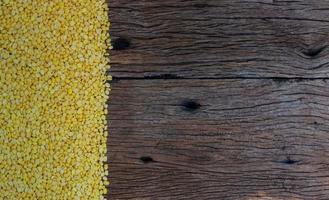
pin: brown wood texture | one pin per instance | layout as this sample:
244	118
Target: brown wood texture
245	139
219	99
221	38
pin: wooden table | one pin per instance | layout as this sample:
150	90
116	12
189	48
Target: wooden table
219	99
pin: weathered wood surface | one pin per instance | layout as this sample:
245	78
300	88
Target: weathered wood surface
221	38
219	99
240	139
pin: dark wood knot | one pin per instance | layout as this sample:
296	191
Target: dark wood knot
190	105
289	161
313	52
120	44
146	159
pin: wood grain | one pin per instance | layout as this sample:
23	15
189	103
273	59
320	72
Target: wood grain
220	38
219	99
219	139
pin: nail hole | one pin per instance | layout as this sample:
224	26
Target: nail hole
289	161
313	52
315	123
146	159
190	105
120	44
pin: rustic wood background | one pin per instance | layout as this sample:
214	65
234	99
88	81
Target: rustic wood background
219	99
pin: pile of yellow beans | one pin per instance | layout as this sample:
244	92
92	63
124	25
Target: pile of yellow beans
53	95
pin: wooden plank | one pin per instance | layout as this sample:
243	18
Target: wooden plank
226	38
219	139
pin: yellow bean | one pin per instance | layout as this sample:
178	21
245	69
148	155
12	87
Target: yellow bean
53	92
